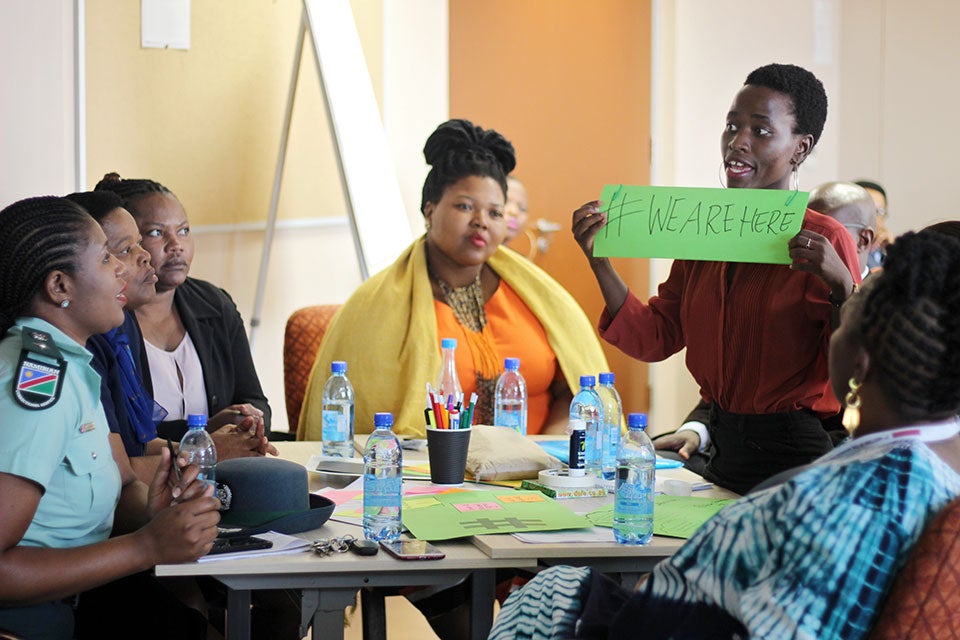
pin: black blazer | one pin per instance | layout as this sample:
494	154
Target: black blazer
216	328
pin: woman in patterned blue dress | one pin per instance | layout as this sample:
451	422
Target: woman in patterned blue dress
813	557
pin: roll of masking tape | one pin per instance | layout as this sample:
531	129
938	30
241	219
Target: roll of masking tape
561	478
673	487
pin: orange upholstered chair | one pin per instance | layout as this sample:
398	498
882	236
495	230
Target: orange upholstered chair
924	602
301	342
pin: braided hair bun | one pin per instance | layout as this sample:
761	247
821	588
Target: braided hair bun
911	325
130	189
459	149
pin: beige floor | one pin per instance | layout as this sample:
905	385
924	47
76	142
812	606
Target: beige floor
404	622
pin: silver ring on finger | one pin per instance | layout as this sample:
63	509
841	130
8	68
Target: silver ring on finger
808	243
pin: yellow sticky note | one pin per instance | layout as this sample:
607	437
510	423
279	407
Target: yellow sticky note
419	503
522	497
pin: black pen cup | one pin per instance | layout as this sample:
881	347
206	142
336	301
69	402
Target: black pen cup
447	449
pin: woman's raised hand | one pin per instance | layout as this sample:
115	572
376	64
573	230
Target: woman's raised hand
587	221
813	253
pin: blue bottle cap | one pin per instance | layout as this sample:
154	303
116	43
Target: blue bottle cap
606	377
636	421
448	343
196	420
338	366
383	419
587	381
511	364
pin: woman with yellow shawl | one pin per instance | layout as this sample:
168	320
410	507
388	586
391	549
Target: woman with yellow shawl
457	282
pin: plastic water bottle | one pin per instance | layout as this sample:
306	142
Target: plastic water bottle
197	448
448	383
382	481
510	398
612	417
633	503
588	406
338	413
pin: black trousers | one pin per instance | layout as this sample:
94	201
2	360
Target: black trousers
748	449
46	621
137	606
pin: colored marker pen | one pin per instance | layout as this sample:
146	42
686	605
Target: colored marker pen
578	447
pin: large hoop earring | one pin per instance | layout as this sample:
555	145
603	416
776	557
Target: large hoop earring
795	178
720	175
851	410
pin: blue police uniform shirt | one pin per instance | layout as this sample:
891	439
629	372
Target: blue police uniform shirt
64	448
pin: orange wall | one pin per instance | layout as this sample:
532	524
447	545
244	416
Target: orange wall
568	82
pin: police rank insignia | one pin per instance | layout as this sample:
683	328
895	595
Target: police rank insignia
37	384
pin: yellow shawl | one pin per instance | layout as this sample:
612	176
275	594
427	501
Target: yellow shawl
387	334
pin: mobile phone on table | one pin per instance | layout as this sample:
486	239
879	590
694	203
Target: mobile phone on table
239	543
412	550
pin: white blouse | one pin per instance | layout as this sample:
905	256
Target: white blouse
177	379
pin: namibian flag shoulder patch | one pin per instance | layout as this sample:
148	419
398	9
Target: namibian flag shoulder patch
37	384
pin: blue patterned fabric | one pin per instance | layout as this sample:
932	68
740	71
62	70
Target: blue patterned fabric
139	404
546	607
811	558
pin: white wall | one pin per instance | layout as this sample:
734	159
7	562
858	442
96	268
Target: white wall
36	99
901	61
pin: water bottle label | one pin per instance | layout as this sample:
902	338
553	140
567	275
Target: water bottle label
382	492
594	446
336	424
633	498
510	419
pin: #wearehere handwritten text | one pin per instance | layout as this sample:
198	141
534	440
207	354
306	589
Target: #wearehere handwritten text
707	219
694	223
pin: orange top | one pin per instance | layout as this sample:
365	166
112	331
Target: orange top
517	333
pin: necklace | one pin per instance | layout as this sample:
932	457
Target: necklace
934	432
467	305
466	302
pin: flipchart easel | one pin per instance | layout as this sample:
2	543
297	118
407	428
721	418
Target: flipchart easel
378	221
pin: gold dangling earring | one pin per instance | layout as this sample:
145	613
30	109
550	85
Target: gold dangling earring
851	411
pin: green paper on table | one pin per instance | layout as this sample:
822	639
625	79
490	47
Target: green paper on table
468	513
729	225
673	516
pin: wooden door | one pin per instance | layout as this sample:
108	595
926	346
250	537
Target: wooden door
568	82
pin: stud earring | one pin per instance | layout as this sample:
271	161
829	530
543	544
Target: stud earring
851	410
64	303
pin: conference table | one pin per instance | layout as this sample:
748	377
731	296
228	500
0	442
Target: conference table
330	584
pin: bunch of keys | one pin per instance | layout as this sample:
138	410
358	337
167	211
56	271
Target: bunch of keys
328	546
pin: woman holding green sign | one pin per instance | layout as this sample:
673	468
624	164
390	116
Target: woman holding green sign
756	334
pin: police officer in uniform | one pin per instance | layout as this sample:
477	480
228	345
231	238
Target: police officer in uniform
62	490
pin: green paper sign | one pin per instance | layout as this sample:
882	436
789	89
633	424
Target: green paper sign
728	225
673	516
472	513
